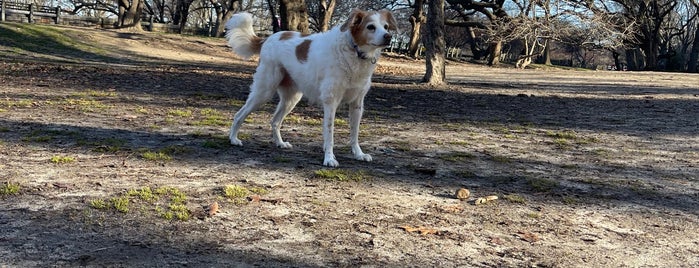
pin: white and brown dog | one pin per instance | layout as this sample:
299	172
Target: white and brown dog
330	68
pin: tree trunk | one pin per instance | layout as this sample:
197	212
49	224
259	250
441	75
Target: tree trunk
130	14
293	15
326	12
694	54
494	51
224	14
276	22
547	54
617	62
182	14
435	44
416	21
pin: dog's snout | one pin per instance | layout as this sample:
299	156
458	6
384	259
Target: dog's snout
387	39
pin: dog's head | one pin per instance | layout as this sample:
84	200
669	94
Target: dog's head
371	28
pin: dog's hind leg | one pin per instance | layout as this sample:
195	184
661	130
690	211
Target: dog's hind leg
259	94
288	98
356	109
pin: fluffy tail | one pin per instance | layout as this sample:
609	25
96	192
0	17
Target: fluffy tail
241	36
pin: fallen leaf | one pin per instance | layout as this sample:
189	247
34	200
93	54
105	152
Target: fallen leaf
452	209
213	209
419	229
528	236
254	198
463	194
491	197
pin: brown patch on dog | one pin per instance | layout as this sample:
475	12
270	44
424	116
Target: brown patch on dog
388	17
359	26
286	35
302	51
355	18
286	79
256	44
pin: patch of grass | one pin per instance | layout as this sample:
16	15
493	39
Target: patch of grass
212	120
57	159
142	110
180	113
85	105
235	191
180	212
534	215
9	188
4	129
236	103
145	194
459	143
456	156
566	134
16	103
515	198
155	156
99	204
121	204
341	175
37	38
542	185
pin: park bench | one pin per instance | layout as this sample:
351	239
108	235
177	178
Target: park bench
29	10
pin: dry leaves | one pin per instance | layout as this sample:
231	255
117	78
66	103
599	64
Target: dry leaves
213	209
528	236
419	229
463	194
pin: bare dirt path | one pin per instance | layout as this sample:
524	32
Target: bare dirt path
591	168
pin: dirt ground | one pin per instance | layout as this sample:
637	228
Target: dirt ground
591	168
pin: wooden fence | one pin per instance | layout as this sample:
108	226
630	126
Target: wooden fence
31	11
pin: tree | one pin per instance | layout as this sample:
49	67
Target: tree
294	16
417	18
130	14
321	12
434	44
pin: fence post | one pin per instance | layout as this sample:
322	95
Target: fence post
31	12
2	10
58	15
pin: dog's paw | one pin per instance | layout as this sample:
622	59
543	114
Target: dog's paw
363	157
284	145
330	162
235	141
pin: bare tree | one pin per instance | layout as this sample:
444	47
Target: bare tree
434	44
417	18
693	60
294	16
129	15
320	13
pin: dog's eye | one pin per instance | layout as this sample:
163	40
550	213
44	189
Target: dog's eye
385	26
371	27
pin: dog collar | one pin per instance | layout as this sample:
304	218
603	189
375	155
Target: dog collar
362	54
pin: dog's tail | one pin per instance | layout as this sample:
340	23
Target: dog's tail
241	36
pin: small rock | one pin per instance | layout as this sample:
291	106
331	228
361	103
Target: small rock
463	194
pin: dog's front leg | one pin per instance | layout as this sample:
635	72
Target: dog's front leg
329	109
355	115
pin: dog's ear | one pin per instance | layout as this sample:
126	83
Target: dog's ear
355	19
392	23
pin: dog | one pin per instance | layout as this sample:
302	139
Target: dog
332	68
